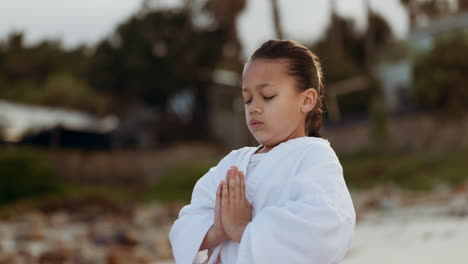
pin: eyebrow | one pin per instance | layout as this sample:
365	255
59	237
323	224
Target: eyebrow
260	86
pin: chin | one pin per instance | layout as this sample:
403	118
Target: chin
263	140
259	138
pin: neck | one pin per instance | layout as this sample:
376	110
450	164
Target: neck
265	149
262	150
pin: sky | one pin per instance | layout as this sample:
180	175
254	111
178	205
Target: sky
88	21
307	20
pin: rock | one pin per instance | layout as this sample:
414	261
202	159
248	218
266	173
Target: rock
59	219
126	237
30	232
53	257
118	255
458	206
65	236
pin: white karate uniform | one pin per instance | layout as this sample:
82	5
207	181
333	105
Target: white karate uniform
302	209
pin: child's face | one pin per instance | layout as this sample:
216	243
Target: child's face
271	97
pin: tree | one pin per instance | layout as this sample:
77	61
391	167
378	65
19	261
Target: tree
66	90
348	58
155	55
463	5
226	13
354	56
3	125
275	11
427	10
47	74
20	62
440	75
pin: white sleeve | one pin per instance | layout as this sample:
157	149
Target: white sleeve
316	225
194	221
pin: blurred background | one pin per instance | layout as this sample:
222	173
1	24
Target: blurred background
110	111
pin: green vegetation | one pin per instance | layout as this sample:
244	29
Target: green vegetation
27	180
70	196
418	171
25	174
440	75
177	184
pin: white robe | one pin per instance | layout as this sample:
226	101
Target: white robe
302	209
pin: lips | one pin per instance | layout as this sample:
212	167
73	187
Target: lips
255	123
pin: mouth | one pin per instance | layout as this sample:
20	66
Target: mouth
255	124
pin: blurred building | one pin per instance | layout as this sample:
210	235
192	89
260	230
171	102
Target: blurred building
22	123
396	75
138	128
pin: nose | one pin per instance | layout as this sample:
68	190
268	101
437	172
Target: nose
254	107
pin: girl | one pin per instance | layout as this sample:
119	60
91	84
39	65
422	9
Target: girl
292	204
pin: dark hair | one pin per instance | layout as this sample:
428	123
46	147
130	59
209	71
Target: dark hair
305	67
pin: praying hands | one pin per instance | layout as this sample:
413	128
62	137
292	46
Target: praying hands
236	211
232	211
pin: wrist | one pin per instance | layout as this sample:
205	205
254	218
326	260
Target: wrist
212	239
219	235
239	232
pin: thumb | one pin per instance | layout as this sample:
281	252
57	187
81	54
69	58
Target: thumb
248	204
218	200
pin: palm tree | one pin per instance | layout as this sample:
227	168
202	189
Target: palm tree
276	19
336	34
463	5
412	8
226	13
429	10
369	39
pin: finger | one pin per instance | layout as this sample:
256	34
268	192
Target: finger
228	173
242	186
218	199
232	189
224	195
217	208
238	188
231	171
247	204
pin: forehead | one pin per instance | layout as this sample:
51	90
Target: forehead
261	71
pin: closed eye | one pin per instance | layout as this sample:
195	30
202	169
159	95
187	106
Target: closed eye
266	98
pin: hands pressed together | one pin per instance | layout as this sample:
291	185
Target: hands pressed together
233	211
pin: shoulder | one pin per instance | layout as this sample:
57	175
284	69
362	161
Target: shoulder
241	151
317	150
319	165
321	173
236	155
318	142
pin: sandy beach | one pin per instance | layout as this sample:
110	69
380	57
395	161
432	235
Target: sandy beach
393	226
408	228
411	235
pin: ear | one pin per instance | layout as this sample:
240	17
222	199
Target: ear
309	99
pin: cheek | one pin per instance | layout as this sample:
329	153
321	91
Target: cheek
286	108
